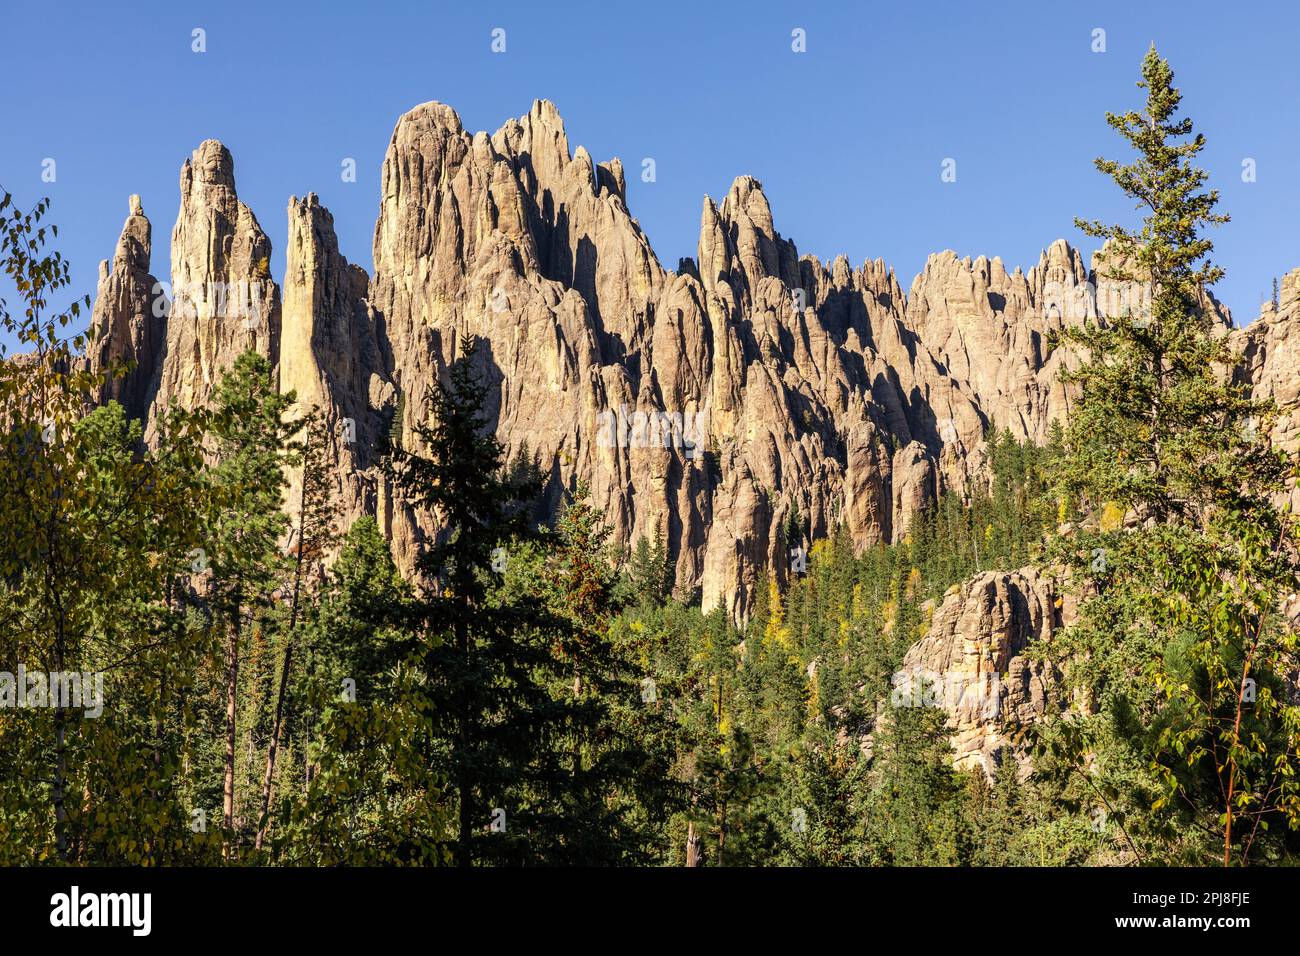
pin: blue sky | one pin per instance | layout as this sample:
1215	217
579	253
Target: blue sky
847	138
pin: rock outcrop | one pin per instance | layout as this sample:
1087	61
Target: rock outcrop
972	662
126	323
705	405
1270	362
332	358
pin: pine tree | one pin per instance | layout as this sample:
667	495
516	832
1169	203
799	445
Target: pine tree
1185	556
649	573
618	738
491	719
360	628
252	446
913	804
827	780
314	535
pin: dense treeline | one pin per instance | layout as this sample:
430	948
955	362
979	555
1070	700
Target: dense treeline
518	700
274	691
521	701
775	717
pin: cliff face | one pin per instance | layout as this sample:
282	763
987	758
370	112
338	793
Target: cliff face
1270	350
973	662
704	404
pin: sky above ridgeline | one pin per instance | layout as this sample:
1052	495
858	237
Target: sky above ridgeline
849	138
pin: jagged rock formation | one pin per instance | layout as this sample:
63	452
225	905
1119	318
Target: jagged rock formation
972	663
990	329
704	405
769	383
128	328
1270	351
223	299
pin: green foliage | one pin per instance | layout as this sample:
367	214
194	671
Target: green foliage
1000	526
1178	550
361	790
770	718
648	578
617	744
90	582
913	801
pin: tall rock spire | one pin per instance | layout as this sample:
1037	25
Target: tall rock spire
224	300
127	320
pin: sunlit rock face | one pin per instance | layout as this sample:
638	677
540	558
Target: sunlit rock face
1270	362
223	300
704	404
127	328
973	663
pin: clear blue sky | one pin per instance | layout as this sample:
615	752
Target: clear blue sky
847	138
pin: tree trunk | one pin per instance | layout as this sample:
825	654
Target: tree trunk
232	691
692	846
722	828
60	783
464	786
274	747
1236	738
278	727
58	793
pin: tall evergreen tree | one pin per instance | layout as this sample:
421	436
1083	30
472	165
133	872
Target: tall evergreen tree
913	804
617	741
252	444
1184	553
491	721
649	574
313	536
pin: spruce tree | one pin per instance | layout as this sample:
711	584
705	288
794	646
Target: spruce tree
1182	554
490	720
913	801
617	741
649	574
